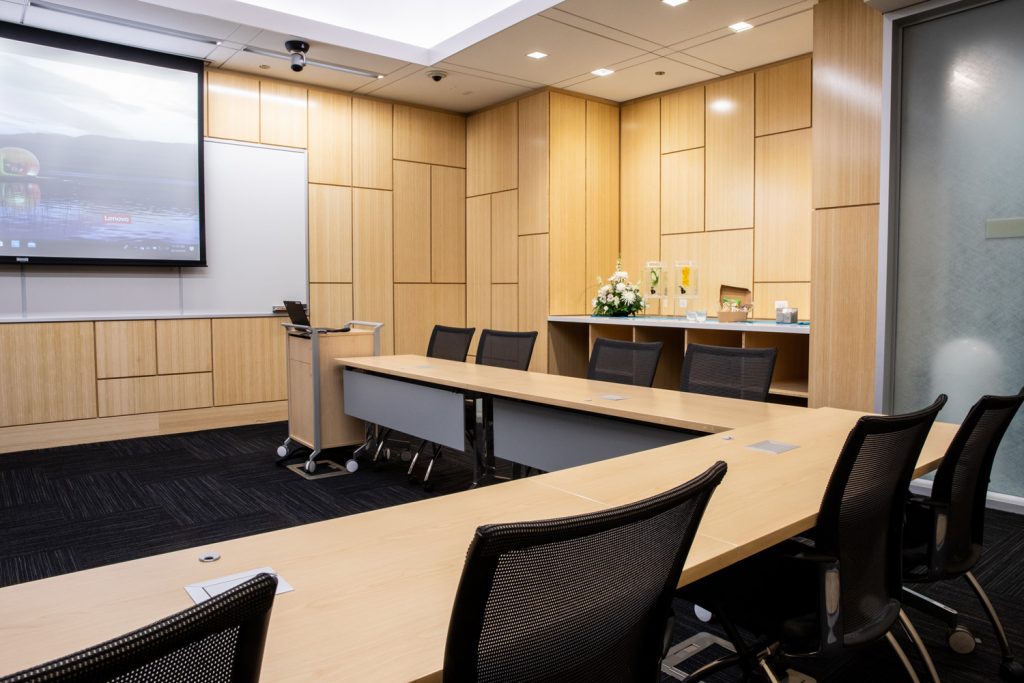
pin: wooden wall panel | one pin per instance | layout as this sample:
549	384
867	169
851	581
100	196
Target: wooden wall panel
682	192
371	144
534	145
533	294
641	185
783	97
412	222
478	262
682	120
492	150
797	294
125	348
136	395
430	137
602	196
729	154
505	307
233	105
372	265
505	236
330	138
330	304
330	233
447	224
568	228
782	216
248	360
282	114
847	103
419	307
843	297
183	346
723	257
49	372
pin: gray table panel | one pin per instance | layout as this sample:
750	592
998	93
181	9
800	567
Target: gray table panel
554	438
437	415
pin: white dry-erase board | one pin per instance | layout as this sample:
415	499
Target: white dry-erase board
255	244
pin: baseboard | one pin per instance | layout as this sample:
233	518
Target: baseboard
74	432
994	501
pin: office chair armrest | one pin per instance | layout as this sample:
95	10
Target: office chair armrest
927	523
830	622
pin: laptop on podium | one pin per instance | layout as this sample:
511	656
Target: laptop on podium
297	314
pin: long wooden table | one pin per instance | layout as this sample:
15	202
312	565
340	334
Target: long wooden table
373	592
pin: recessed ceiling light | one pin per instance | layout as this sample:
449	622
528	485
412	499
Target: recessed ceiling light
537	55
741	26
602	72
675	3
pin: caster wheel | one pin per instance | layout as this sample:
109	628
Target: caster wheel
1011	670
351	465
961	641
310	467
406	456
282	451
702	614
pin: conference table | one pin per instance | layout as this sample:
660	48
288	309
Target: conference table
373	591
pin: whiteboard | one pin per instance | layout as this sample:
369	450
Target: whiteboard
255	231
255	199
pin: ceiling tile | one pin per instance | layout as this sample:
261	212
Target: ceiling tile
640	80
376	84
659	23
600	29
458	92
763	44
789	9
157	16
570	51
323	52
689	60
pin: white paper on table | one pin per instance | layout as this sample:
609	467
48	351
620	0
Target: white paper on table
204	590
613	397
772	446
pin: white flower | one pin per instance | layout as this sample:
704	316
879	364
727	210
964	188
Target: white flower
604	289
594	303
629	297
620	287
619	275
604	308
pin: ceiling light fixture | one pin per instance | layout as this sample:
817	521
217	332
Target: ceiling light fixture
537	55
120	21
675	3
602	72
312	62
741	26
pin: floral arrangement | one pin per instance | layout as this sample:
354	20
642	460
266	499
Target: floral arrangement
618	297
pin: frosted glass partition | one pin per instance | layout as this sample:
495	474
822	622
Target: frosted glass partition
959	321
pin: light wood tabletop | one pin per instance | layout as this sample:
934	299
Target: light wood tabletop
373	592
665	407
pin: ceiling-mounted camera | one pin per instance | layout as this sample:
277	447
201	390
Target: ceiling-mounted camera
298	50
437	76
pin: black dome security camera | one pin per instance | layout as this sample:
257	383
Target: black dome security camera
298	50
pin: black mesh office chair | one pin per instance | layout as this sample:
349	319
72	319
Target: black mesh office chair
624	362
217	641
505	349
826	596
728	372
586	598
943	536
446	343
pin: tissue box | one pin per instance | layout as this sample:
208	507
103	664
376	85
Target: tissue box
741	294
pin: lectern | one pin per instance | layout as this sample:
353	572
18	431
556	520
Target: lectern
316	407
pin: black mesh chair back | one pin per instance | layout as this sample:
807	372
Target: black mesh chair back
217	641
728	372
624	362
450	343
584	598
505	349
961	482
860	522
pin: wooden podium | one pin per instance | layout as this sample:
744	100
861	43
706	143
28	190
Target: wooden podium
316	410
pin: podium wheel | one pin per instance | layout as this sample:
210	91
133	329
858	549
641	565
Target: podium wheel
282	451
352	465
310	466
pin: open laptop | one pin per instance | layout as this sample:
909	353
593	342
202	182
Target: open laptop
297	314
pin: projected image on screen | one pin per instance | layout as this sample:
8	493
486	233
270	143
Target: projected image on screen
99	157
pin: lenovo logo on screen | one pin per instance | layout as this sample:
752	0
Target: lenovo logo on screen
117	218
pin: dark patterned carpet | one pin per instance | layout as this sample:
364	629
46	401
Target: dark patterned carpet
72	508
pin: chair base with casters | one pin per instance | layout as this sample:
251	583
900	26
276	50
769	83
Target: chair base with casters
958	637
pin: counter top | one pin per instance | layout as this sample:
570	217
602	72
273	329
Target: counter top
680	322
